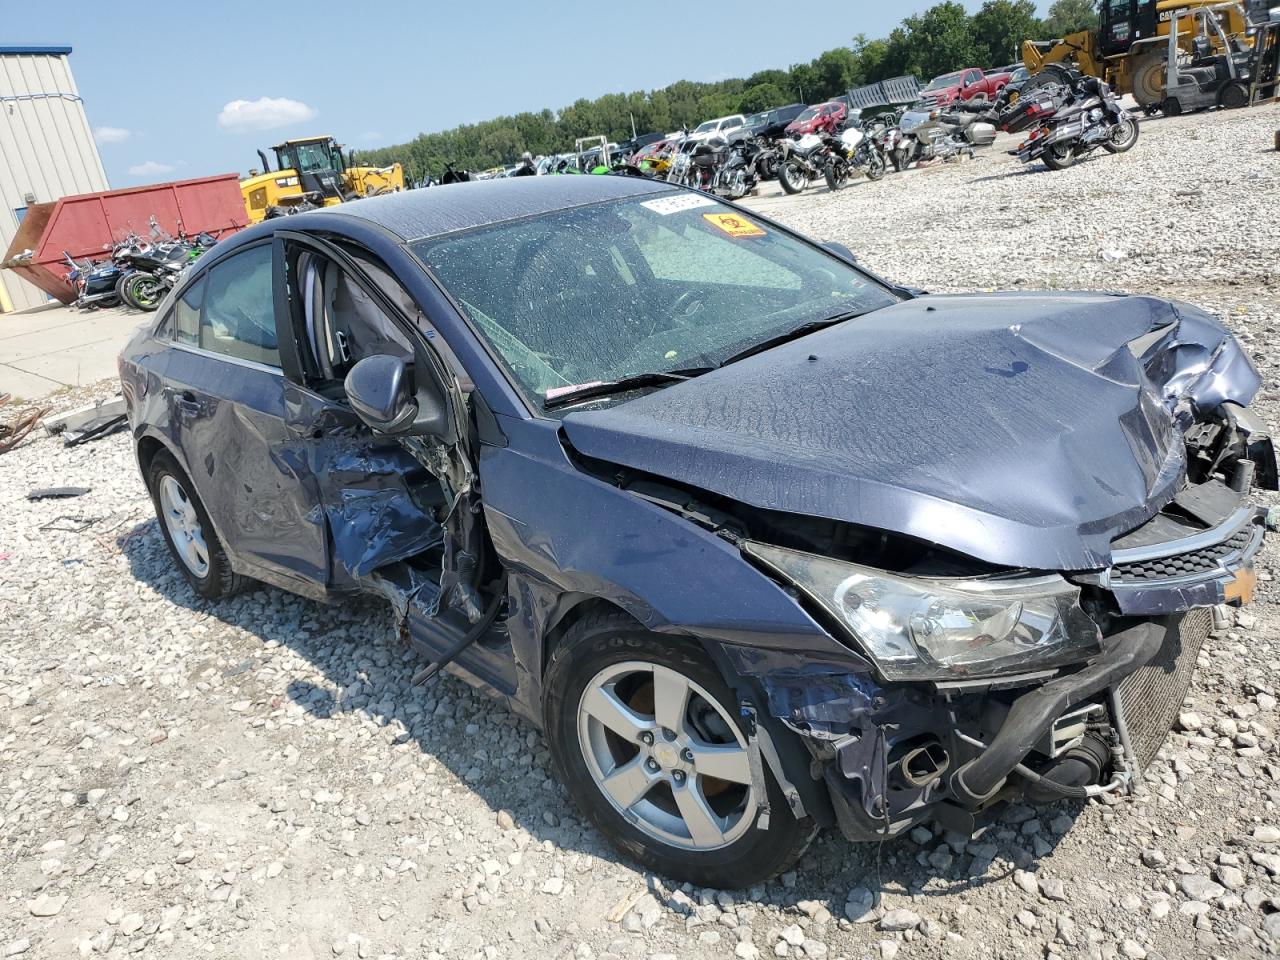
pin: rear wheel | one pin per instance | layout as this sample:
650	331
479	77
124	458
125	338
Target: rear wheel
1148	81
1059	156
1123	136
645	735
792	178
195	546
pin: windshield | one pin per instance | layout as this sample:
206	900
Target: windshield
706	127
757	120
639	285
313	158
1020	75
950	80
808	114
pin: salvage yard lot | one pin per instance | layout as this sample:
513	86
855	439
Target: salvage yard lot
258	777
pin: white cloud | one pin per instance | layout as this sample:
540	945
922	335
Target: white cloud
111	134
265	113
150	168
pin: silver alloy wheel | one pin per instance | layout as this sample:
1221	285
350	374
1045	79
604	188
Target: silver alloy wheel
183	524
679	772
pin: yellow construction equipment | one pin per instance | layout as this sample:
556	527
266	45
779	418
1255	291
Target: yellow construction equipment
312	172
1129	50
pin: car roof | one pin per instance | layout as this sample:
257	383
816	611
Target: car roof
421	214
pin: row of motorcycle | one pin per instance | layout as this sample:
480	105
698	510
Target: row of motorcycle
139	271
1065	115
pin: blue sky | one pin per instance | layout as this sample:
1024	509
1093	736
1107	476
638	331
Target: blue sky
192	88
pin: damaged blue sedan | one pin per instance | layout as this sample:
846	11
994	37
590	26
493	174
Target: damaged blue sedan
762	542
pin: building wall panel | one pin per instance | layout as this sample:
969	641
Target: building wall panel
47	149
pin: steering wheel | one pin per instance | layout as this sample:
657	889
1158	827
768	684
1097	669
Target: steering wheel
686	305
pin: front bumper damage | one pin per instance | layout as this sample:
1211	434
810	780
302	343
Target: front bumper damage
891	756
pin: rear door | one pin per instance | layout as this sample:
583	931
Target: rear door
225	392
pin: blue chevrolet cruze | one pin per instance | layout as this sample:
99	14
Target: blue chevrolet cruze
762	542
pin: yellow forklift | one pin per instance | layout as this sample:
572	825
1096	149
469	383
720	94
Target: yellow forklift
312	172
1129	49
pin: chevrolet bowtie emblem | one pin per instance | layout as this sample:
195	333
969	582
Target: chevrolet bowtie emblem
1240	588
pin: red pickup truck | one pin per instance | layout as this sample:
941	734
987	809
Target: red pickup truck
968	84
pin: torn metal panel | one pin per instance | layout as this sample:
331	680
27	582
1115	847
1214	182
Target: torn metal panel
378	502
1024	430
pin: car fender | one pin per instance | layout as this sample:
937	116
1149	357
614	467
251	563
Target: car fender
566	536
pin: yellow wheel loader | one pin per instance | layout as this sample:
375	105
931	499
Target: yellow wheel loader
1129	49
312	172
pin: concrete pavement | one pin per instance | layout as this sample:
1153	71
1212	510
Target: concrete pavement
45	350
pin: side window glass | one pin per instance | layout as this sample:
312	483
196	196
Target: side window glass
186	315
239	311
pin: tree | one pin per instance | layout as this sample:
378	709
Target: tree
1070	16
935	42
1000	27
763	96
837	70
871	57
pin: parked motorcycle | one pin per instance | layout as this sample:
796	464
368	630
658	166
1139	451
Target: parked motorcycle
743	167
152	269
848	152
94	281
889	141
941	135
1070	120
800	162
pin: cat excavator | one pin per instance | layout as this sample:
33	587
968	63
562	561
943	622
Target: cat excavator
312	172
1129	48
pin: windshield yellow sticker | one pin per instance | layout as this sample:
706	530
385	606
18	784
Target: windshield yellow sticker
733	224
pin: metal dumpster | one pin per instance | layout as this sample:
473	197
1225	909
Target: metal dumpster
88	224
886	95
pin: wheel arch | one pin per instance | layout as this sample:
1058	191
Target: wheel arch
146	449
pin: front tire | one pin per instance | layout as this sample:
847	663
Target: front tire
875	166
836	173
645	735
141	290
1123	137
791	177
197	552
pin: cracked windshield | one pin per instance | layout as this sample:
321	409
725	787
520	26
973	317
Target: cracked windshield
673	283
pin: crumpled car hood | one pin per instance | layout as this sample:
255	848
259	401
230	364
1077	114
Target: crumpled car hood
1022	429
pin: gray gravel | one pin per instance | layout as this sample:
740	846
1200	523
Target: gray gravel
258	778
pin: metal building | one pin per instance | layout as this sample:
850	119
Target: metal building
46	147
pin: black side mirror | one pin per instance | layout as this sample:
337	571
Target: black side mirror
380	393
839	249
378	389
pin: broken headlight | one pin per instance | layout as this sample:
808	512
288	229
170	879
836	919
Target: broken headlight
918	628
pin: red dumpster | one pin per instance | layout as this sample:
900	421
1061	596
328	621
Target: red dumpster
87	225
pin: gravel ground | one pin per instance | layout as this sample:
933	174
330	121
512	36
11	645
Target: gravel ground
258	778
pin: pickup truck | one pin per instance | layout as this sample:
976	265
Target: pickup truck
964	85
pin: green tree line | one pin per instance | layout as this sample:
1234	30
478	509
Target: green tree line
941	39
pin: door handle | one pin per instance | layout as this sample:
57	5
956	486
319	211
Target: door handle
189	403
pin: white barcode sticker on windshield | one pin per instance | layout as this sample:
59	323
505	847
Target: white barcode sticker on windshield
681	201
